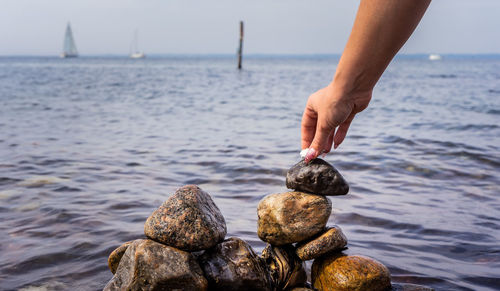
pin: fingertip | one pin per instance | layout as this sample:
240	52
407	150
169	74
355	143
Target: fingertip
311	155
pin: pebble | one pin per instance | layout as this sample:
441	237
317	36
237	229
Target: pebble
333	239
409	287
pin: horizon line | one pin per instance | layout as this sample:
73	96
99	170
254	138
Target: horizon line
159	55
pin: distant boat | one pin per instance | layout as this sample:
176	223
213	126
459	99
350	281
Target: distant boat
135	53
434	57
69	47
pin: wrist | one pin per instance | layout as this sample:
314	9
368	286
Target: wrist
351	83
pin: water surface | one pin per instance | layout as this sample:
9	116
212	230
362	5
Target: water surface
89	147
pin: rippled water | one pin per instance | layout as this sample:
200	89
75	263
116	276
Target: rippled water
90	147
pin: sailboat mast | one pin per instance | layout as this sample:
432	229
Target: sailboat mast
136	41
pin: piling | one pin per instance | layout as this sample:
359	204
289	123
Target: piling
240	49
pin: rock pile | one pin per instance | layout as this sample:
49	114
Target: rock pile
301	218
185	246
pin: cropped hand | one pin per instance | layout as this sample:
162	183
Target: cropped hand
327	117
380	29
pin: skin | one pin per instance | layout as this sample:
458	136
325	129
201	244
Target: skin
380	29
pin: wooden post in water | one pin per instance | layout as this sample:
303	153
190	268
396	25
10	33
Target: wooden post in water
240	49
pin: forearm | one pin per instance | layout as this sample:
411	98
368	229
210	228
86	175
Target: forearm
379	31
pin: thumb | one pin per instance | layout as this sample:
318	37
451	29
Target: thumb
319	142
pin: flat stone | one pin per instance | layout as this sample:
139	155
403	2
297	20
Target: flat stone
342	272
233	265
189	220
148	265
409	287
115	256
318	177
286	269
332	239
291	217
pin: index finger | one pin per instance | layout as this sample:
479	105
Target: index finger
308	127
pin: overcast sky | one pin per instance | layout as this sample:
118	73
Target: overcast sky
36	27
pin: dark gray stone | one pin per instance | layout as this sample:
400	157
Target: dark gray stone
317	177
148	265
189	220
233	265
286	269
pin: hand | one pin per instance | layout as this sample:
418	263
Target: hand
328	109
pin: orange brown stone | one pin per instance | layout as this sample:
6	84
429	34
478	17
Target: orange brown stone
342	272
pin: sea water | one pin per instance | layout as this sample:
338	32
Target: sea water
89	147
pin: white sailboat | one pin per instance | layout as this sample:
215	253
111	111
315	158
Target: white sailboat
135	53
69	46
434	57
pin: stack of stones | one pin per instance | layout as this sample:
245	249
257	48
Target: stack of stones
185	246
298	221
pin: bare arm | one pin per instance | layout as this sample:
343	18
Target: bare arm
379	31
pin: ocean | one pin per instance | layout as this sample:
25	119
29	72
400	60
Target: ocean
89	147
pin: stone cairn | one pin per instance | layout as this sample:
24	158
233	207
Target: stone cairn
185	246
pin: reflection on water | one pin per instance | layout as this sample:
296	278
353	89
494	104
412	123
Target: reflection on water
90	147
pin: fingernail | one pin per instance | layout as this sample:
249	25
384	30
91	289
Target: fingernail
311	154
303	152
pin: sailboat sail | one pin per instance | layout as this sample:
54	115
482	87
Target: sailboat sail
69	47
134	48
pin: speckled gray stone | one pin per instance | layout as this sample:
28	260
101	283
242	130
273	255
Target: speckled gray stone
233	265
148	265
317	177
189	220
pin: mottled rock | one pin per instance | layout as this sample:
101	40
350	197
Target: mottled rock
409	287
233	265
115	256
317	177
332	239
342	272
286	269
148	265
189	220
292	217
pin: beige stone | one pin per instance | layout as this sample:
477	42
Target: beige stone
292	217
